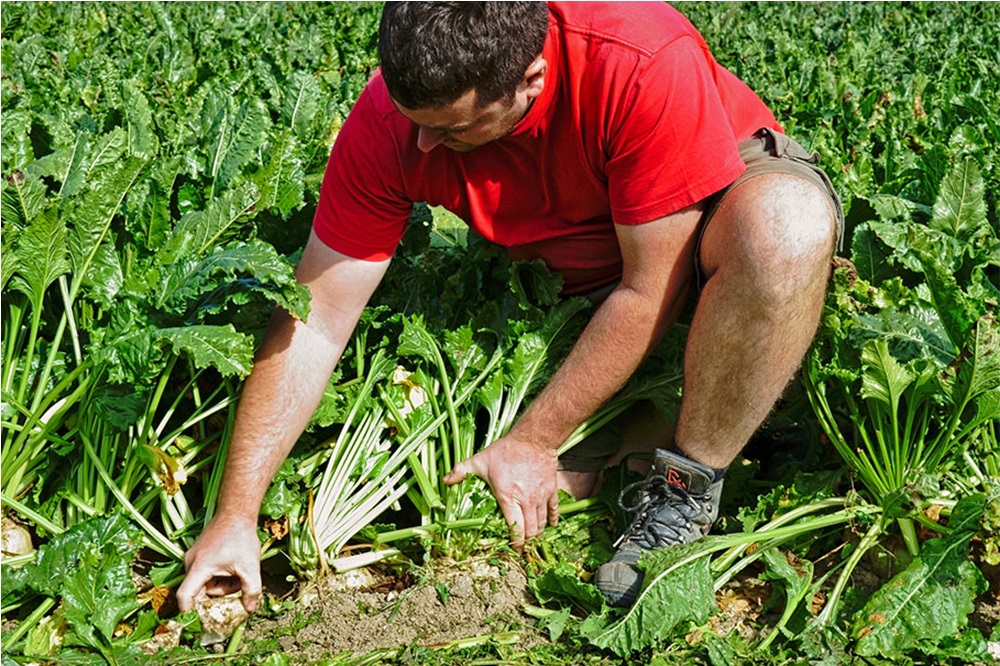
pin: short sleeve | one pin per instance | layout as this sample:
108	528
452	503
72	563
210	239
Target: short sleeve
362	211
671	142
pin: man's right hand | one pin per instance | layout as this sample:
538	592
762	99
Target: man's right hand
225	559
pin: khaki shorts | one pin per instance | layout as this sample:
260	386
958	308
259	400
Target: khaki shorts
765	152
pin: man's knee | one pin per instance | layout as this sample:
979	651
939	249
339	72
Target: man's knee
772	226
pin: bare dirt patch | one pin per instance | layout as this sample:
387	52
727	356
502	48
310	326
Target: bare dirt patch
457	601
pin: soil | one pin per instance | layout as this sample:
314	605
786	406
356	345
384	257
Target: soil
359	613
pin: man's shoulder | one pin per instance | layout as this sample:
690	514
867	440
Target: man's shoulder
642	27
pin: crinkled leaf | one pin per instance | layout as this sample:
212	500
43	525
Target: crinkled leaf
105	278
561	583
234	140
302	95
463	352
978	367
924	604
795	576
915	333
677	588
64	164
219	347
148	205
884	378
416	340
960	207
41	257
60	560
142	141
281	179
107	150
23	196
99	594
957	310
92	214
15	134
202	286
285	492
118	405
199	231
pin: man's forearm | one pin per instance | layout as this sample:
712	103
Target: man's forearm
619	336
291	371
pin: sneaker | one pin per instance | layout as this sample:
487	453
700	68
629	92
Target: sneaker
678	504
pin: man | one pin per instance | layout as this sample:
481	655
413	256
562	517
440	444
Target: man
604	139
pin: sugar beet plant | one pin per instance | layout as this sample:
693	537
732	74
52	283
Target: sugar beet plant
137	188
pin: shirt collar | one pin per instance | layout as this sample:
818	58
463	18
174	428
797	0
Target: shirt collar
533	123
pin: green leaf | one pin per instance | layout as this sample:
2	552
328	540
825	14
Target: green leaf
142	141
234	140
281	180
88	556
118	405
960	207
22	198
219	347
15	134
796	576
301	103
884	379
206	285
978	367
41	257
677	588
92	214
99	594
199	231
869	256
416	341
924	604
561	583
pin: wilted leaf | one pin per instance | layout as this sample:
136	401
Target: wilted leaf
677	588
926	603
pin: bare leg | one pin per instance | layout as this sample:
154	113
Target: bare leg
766	255
646	431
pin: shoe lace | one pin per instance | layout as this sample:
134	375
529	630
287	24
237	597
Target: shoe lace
649	520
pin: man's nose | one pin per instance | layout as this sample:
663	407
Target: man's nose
427	139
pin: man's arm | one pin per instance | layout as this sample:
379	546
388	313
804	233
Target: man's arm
521	467
292	368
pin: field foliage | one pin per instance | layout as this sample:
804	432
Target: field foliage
160	166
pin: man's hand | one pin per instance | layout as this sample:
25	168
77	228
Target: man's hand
523	479
225	559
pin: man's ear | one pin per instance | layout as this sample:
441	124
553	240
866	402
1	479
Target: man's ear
534	77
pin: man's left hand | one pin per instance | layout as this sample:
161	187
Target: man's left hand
522	476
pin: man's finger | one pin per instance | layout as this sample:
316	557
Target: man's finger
553	509
193	585
458	473
515	520
541	519
530	523
252	592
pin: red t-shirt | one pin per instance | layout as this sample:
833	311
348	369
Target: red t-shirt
636	121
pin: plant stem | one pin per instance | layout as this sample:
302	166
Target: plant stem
29	622
829	613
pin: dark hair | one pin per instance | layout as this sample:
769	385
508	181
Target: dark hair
433	52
